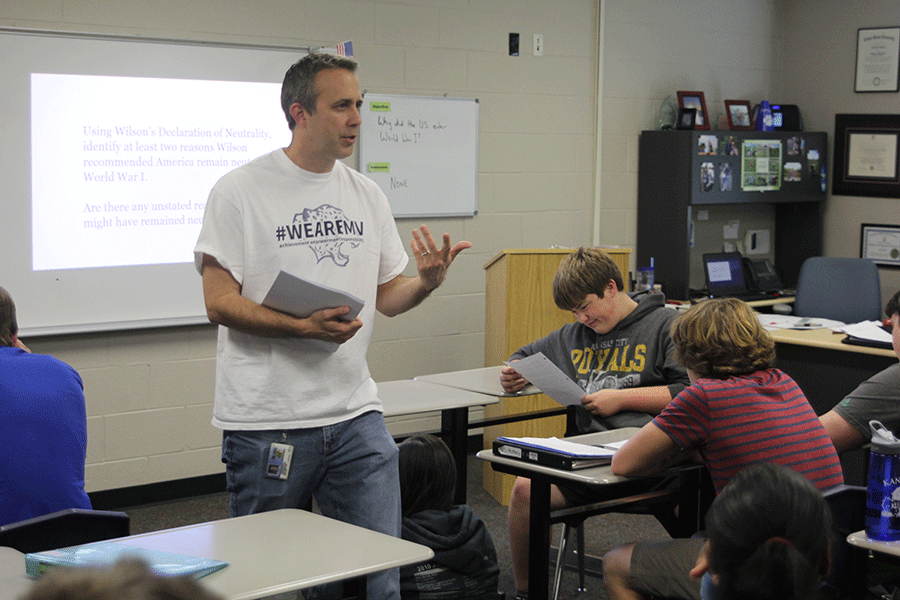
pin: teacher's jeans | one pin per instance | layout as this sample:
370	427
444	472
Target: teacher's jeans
350	468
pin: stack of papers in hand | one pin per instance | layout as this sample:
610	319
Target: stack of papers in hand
102	554
300	297
554	452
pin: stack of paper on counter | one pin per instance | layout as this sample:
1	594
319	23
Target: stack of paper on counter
554	452
101	554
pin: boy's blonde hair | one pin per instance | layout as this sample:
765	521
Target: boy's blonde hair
722	337
585	271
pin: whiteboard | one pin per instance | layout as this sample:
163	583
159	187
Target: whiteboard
422	152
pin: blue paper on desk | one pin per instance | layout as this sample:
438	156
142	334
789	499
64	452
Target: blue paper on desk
99	554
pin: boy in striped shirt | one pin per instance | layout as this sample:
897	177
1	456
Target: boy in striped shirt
739	410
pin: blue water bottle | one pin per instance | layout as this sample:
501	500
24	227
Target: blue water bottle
883	498
764	117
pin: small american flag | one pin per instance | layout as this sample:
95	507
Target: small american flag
345	49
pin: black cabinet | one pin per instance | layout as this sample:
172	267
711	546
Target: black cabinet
776	178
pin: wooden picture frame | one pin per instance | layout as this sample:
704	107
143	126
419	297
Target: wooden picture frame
866	155
695	100
740	115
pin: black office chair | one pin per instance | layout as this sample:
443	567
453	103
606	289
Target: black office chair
69	527
842	289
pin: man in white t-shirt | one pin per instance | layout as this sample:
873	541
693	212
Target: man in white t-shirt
280	396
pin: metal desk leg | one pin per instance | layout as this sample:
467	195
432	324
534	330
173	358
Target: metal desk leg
455	432
689	502
354	589
539	540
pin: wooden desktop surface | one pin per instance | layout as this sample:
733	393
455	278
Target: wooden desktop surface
825	339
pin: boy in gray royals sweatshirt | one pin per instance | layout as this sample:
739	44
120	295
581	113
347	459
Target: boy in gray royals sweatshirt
619	351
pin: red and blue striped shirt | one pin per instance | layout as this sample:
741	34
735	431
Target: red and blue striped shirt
742	420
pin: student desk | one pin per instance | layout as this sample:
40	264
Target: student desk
861	540
485	380
690	504
409	397
268	553
827	370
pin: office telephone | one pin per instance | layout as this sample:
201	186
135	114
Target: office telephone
761	275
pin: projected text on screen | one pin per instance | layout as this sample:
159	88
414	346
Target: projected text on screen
122	166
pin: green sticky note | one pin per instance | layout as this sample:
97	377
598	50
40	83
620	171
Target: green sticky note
379	167
380	106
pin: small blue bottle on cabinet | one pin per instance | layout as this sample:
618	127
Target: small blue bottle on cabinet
883	497
764	117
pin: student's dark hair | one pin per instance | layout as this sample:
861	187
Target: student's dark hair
127	579
298	87
769	535
8	324
427	475
893	305
722	337
583	272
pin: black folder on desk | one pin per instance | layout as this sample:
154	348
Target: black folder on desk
858	341
539	453
854	340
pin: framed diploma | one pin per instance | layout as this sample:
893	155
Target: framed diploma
880	244
866	155
877	56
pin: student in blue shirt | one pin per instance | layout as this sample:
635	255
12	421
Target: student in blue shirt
43	425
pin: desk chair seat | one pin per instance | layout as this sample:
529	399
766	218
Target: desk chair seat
69	527
843	289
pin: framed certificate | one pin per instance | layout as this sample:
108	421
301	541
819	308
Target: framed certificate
877	56
880	244
867	155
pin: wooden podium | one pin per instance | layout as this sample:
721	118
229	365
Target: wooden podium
519	309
